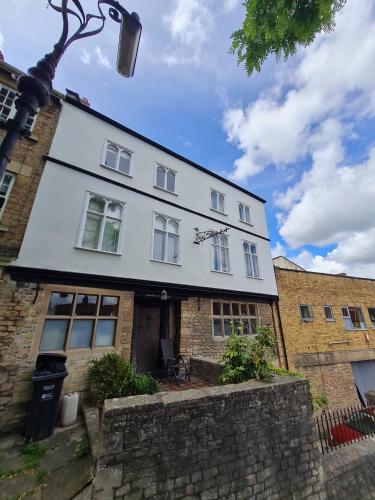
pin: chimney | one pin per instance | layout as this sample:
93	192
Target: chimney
341	274
85	101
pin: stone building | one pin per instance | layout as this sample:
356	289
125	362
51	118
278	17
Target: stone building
17	193
109	261
328	325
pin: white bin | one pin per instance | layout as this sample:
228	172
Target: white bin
69	406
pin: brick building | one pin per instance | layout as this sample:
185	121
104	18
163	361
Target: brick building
17	193
108	260
328	325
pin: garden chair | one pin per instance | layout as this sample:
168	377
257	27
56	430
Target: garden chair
174	364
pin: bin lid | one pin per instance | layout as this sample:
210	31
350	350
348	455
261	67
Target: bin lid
50	362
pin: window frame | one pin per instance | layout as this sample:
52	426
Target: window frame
240	203
330	320
49	289
82	225
108	142
348	317
259	277
9	190
213	190
369	314
233	317
229	259
168	218
166	169
310	308
13	108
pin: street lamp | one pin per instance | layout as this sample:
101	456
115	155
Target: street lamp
35	87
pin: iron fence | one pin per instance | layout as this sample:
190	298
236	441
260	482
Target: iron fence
339	428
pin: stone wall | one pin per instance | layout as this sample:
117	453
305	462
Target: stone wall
251	440
20	311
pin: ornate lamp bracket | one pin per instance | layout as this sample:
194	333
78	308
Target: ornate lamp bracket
201	236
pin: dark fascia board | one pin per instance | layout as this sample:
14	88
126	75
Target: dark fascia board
12	70
149	195
118	125
47	276
323	274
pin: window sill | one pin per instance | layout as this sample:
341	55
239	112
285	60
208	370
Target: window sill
218	211
117	254
307	320
166	262
330	320
247	223
4	228
255	278
165	190
356	329
33	138
115	170
221	272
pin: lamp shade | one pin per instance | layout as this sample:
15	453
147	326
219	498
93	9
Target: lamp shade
130	35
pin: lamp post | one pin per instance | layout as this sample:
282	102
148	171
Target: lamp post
35	87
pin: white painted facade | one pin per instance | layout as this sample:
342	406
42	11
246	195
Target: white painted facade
53	231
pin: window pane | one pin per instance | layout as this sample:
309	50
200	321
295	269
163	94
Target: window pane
225	260
86	305
247	214
53	336
108	306
217	328
214	200
227	327
240	208
114	210
171	181
249	269
371	312
172	248
246	247
223	241
345	312
226	309
96	204
221	202
159	239
173	227
111	156
215	258
254	260
246	327
4	186
216	308
160	223
105	329
111	235
124	163
60	303
253	326
92	230
253	249
328	312
235	309
252	310
81	333
243	310
160	177
306	312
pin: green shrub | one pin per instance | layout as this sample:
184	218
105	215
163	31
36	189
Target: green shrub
245	358
285	372
320	401
112	377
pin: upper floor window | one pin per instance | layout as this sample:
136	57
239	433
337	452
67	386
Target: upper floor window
217	201
101	227
7	106
5	189
116	157
220	254
306	312
251	259
353	318
165	247
244	211
371	312
328	313
79	320
165	178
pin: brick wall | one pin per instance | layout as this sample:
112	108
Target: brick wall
20	309
323	350
251	440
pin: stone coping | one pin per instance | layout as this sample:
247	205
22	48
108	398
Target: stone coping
112	406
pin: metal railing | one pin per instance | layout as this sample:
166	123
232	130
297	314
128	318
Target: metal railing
339	428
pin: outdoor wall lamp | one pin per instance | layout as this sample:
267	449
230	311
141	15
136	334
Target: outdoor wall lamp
35	87
164	295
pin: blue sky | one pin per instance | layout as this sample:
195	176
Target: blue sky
300	133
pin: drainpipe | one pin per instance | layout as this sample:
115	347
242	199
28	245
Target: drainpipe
281	332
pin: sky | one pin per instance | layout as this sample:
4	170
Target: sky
300	133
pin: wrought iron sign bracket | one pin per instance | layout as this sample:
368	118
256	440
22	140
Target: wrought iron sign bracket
201	236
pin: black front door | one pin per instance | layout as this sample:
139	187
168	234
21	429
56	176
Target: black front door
146	337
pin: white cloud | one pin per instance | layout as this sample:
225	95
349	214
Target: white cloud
333	78
278	250
230	5
85	57
102	59
190	24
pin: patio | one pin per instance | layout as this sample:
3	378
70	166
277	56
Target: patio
169	385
